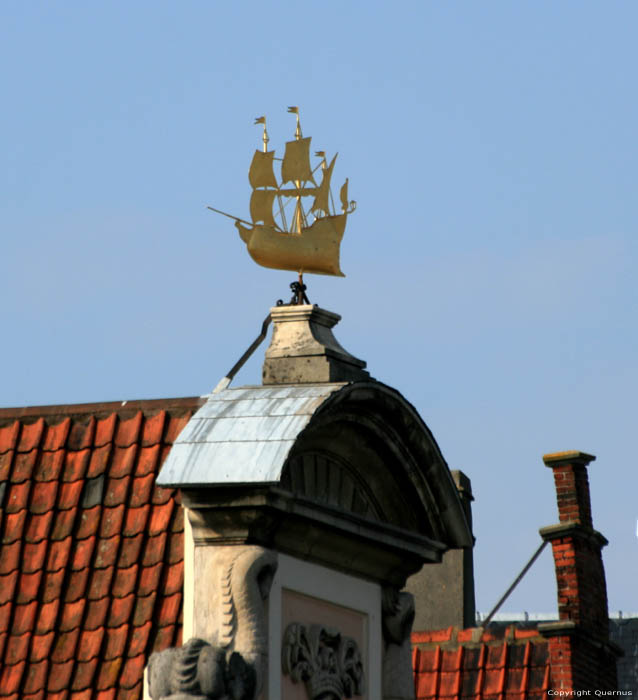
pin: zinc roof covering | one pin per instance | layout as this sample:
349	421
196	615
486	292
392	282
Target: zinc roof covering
91	550
243	435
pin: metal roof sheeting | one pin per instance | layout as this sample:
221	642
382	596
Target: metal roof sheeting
242	435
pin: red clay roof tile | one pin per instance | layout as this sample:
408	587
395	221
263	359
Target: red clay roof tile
130	551
13	526
49	466
61	504
75	465
81	434
47	616
17	497
144	610
11	557
24	617
52	588
115	643
116	491
43	496
31	435
125	581
23	466
83	677
133	671
153	429
134	693
162	495
6	460
154	548
27	588
108	673
164	637
135	520
38	526
160	518
108	694
173	578
60	676
141	490
65	645
128	430
16	648
63	524
148	460
90	644
71	615
175	548
100	583
41	645
149	578
76	585
104	430
5	613
33	556
107	550
96	613
170	608
36	677
83	551
111	522
123	462
11	676
56	435
120	611
139	637
178	520
100	457
9	436
69	494
175	426
88	522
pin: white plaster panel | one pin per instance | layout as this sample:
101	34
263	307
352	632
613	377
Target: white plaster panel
332	587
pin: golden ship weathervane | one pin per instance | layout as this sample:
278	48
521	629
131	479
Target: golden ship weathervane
308	238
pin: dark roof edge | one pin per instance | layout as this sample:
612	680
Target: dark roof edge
100	407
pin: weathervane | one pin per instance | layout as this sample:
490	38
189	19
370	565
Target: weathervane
308	238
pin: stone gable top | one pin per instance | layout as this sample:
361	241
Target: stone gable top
359	448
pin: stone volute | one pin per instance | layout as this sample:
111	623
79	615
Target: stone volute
310	500
304	350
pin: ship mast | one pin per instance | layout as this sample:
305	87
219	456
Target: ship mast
299	220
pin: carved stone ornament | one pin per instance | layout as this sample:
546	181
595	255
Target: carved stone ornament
326	661
232	666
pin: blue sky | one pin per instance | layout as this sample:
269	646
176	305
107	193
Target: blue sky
490	262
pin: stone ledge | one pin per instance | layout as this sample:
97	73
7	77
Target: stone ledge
572	529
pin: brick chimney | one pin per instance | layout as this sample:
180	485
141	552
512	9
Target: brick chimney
582	657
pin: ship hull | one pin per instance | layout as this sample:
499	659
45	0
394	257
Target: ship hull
315	250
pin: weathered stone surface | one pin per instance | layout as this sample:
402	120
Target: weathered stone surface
303	349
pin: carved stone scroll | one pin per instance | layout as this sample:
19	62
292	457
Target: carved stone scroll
327	662
398	616
232	663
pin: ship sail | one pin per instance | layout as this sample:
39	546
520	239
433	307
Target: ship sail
343	195
261	173
296	163
322	196
261	202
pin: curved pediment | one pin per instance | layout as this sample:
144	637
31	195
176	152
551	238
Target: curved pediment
358	448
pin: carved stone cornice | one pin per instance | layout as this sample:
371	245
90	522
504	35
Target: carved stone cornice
328	662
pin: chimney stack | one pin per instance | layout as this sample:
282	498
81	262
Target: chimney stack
582	657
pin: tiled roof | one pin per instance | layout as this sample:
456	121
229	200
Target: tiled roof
91	551
509	664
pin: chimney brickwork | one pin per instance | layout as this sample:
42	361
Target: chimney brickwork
582	657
